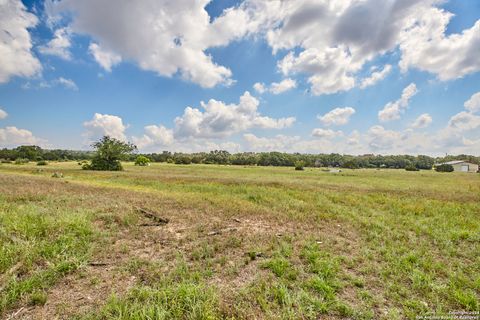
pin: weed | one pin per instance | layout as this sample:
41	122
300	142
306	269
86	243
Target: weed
38	298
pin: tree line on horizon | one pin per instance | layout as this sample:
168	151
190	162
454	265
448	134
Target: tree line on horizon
35	153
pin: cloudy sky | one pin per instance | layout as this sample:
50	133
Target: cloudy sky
346	76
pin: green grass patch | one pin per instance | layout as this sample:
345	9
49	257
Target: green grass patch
180	294
40	242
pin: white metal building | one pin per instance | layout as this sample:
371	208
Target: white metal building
462	166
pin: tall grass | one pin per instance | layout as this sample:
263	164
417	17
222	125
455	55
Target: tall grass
40	241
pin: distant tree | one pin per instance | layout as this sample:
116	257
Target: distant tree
28	152
218	157
160	157
424	162
444	168
142	161
276	159
109	152
299	165
182	158
245	159
198	157
351	164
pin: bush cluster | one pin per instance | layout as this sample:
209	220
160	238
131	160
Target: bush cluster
411	167
444	168
21	161
299	165
142	161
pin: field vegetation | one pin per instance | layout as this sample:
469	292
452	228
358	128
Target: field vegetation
201	241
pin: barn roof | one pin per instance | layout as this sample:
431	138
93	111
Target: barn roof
455	162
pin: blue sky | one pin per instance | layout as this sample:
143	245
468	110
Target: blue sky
311	76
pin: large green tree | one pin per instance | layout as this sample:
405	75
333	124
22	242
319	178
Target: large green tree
109	153
29	152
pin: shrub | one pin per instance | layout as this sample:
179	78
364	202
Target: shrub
142	161
38	299
6	161
411	167
444	168
109	152
57	175
21	161
103	165
299	165
42	163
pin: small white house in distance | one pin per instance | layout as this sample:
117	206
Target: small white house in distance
462	166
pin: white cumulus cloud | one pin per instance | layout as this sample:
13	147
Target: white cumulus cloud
354	138
166	37
426	47
332	69
219	119
16	55
282	86
154	136
331	41
328	41
105	124
326	133
67	83
12	137
205	127
259	87
3	114
337	116
380	138
393	110
336	38
422	121
59	46
276	87
105	58
473	104
376	76
464	121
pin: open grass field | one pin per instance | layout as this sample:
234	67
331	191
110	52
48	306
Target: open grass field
241	243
